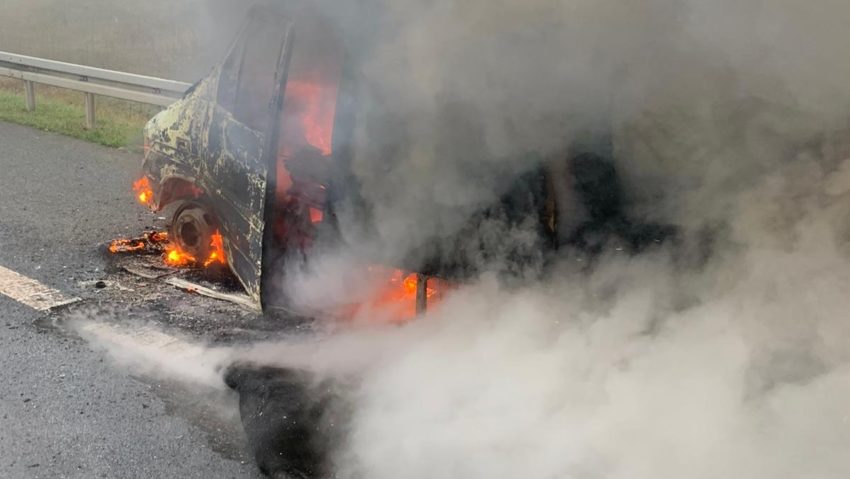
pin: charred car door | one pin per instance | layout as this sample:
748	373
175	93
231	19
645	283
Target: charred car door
242	133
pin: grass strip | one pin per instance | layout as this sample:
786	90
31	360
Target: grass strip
119	123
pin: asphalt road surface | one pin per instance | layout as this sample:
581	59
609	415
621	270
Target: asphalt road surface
67	409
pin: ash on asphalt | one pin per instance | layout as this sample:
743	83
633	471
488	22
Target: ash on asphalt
213	320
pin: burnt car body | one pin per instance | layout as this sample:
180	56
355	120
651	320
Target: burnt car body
259	150
215	148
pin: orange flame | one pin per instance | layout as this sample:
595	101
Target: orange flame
126	246
410	284
181	259
311	110
150	238
217	254
178	259
316	215
396	299
144	192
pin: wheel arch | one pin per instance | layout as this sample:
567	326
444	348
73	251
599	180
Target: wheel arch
177	187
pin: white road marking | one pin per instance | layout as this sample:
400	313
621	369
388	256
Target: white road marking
31	292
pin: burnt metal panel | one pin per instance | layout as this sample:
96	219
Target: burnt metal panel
199	140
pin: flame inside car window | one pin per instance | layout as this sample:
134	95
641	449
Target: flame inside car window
312	107
310	99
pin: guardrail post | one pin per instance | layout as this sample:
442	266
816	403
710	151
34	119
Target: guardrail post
90	113
30	88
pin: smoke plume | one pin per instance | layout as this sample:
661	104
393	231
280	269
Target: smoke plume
728	120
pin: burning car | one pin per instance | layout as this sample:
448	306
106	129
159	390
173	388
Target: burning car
254	162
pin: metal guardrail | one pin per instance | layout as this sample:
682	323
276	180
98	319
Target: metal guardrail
89	80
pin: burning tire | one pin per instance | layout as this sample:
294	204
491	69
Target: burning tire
192	229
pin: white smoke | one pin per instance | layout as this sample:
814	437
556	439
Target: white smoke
697	93
638	369
147	350
635	371
728	116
